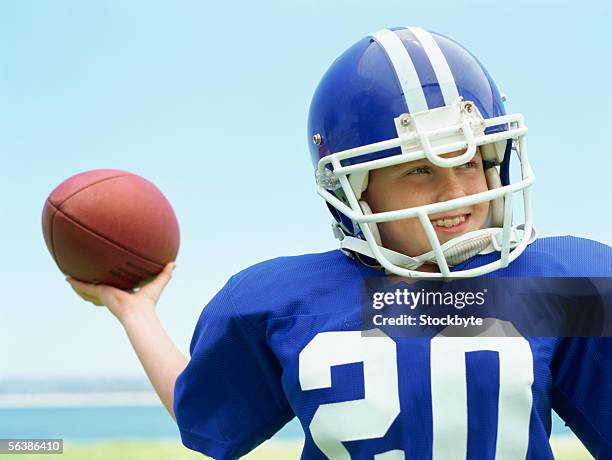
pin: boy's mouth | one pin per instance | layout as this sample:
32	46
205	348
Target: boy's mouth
451	223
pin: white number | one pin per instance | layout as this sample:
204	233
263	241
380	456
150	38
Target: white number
365	418
391	455
372	416
449	394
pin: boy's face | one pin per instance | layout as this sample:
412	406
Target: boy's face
419	183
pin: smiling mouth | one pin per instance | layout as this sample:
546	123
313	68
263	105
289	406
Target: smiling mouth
451	222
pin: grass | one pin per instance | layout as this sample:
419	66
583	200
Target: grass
563	448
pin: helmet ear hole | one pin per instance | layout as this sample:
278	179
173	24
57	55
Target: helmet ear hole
365	207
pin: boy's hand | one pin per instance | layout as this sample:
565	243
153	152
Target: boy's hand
124	303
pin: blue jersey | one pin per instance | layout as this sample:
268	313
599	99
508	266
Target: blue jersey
281	339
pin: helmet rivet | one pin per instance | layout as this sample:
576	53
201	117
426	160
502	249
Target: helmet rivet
468	107
405	120
317	139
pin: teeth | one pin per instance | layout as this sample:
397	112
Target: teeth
449	222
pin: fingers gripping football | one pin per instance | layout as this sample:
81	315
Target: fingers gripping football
118	300
98	294
153	289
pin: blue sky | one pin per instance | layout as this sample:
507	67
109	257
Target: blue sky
209	101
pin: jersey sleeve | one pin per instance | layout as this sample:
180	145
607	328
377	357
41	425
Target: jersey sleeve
229	398
582	390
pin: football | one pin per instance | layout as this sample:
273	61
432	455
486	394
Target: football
108	226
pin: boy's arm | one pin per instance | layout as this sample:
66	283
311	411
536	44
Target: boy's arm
159	356
582	390
136	311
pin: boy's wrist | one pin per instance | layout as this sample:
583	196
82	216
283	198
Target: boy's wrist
138	315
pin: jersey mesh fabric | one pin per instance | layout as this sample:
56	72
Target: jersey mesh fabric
228	399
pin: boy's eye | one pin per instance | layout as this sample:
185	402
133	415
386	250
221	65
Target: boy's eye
419	170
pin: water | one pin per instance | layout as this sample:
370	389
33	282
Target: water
112	423
101	423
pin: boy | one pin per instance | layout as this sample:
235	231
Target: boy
412	148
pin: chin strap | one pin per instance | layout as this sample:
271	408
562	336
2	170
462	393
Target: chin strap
455	251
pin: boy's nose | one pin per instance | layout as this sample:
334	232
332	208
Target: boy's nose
450	185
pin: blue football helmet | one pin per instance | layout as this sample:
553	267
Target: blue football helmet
406	94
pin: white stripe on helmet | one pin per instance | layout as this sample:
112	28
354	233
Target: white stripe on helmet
445	78
404	69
